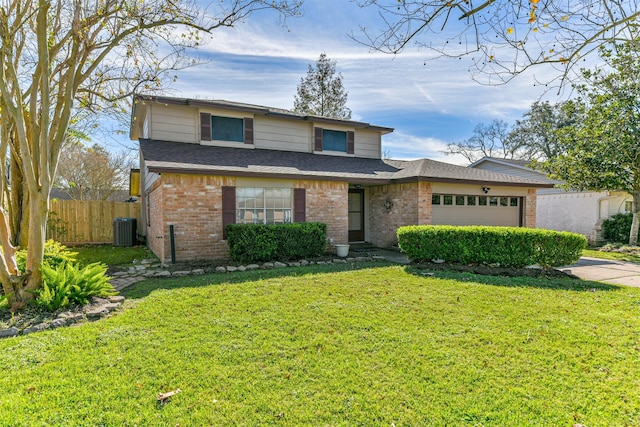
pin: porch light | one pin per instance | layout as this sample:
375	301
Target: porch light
388	204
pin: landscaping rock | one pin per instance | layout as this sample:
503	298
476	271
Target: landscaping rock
11	332
37	328
74	317
97	313
98	300
339	261
162	274
304	262
59	322
252	267
116	298
279	264
242	268
180	273
221	270
197	272
267	265
112	306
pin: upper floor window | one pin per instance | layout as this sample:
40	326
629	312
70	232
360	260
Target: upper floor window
334	140
228	129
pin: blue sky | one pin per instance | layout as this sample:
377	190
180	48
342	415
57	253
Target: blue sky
430	102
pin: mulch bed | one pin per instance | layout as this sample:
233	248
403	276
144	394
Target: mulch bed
549	273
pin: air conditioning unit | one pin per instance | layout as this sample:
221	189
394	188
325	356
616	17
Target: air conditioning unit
124	231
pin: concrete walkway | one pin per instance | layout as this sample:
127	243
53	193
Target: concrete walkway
606	270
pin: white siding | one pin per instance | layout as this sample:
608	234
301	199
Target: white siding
170	123
286	135
367	144
575	212
182	124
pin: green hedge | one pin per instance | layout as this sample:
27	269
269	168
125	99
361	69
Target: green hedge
618	228
506	246
279	242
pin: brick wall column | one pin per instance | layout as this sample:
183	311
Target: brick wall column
424	203
530	208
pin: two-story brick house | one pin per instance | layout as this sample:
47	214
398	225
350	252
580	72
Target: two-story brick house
205	164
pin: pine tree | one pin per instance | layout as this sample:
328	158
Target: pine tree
321	92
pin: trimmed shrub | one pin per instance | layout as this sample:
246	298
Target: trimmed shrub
504	246
260	242
618	228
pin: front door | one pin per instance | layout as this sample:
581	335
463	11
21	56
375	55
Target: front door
356	215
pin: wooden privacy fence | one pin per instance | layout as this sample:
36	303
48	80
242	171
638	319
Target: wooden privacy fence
88	221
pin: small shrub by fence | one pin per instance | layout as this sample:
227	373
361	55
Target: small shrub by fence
506	246
88	221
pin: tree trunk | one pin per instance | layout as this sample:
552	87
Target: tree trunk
38	213
635	224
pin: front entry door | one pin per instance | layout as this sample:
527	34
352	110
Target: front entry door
356	215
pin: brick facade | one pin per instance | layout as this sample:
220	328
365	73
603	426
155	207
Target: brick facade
193	205
530	204
328	202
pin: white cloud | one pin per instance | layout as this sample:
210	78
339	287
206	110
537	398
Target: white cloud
402	146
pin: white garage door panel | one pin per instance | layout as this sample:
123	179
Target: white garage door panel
476	215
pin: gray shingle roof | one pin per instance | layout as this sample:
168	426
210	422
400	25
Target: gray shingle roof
164	156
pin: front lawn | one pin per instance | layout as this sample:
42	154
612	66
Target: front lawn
618	256
110	254
382	345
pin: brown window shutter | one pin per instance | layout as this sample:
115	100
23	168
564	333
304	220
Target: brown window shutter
350	142
299	204
248	130
205	127
228	208
317	146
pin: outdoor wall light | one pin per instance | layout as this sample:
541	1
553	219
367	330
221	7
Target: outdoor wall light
486	189
388	204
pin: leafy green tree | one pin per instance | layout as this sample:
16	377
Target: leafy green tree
535	137
603	148
502	38
61	57
537	132
321	92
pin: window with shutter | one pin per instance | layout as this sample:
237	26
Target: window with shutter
317	139
299	204
205	127
228	208
248	130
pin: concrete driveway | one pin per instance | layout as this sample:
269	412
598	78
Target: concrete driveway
606	270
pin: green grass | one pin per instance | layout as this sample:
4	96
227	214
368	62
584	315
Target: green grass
382	345
619	256
111	255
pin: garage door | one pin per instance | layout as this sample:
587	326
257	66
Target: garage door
451	209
